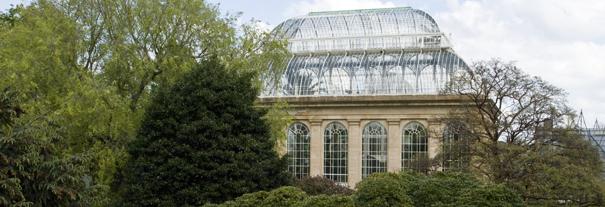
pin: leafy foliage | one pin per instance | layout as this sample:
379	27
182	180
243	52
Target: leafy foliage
32	173
496	196
520	137
568	170
202	140
320	185
286	196
392	189
327	201
440	188
91	67
382	189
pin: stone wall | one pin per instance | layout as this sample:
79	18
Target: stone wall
354	112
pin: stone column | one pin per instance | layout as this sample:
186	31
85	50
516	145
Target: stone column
317	150
354	160
394	145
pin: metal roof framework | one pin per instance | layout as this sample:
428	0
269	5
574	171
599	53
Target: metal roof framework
393	51
595	134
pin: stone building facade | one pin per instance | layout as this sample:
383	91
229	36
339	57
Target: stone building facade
365	90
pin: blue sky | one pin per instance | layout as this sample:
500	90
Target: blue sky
562	41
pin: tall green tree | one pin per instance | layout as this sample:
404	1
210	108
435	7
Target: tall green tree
202	140
139	45
39	57
91	67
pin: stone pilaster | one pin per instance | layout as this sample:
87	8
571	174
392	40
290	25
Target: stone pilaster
317	149
394	145
354	160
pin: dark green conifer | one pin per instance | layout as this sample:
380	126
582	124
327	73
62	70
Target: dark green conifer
202	140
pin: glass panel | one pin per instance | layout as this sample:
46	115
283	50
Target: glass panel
298	150
391	51
336	153
414	155
374	149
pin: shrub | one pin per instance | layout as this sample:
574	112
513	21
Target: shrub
33	170
490	196
382	189
327	201
287	196
319	185
284	196
439	188
202	140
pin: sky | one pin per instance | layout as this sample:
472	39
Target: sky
561	41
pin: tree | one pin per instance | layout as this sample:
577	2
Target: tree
506	106
566	169
518	139
139	45
91	67
38	56
202	140
32	173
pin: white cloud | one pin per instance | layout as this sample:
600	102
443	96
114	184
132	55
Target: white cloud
561	41
305	6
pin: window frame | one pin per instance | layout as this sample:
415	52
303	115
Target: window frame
336	152
415	148
374	143
303	155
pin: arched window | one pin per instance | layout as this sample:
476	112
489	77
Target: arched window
336	153
298	149
374	149
414	155
456	146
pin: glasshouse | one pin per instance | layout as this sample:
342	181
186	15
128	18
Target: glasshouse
364	88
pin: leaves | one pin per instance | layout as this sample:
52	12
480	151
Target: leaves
520	139
32	171
202	140
89	69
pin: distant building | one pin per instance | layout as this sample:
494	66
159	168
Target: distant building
364	89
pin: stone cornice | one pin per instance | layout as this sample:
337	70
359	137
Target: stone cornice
351	101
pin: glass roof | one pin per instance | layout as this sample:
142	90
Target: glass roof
390	51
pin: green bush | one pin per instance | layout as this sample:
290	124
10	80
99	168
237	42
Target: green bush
442	187
320	185
327	201
392	189
382	189
287	196
284	196
202	141
490	196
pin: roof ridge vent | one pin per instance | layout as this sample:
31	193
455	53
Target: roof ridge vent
359	11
